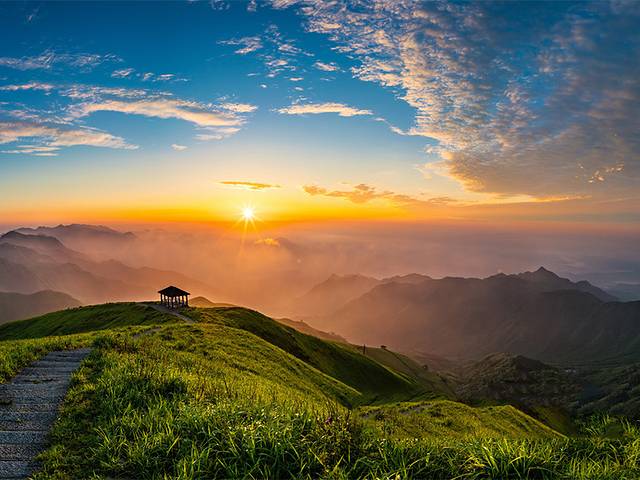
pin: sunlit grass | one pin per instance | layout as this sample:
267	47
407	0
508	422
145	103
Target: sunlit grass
236	395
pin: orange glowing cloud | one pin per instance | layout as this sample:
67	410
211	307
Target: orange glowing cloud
250	185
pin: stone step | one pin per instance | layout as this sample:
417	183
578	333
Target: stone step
81	352
12	421
30	437
55	364
16	469
40	379
65	358
19	452
31	399
32	390
29	407
35	387
48	371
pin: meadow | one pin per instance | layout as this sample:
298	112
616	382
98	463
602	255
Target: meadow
237	395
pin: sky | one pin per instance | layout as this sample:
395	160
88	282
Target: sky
311	111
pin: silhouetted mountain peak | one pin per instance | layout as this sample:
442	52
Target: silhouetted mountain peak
79	230
42	240
540	275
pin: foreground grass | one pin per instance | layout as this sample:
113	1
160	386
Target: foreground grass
375	382
236	395
452	420
15	355
159	406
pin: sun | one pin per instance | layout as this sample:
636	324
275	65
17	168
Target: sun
248	214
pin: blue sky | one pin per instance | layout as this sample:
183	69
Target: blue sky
398	104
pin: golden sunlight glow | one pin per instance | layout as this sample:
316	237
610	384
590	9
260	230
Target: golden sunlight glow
248	214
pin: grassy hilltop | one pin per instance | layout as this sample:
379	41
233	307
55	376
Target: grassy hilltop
238	395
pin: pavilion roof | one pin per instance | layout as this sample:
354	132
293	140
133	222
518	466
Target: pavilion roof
172	291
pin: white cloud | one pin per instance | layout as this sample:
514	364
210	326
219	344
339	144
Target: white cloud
193	112
54	137
246	44
219	133
239	107
27	86
178	148
50	59
326	67
123	73
512	119
38	151
316	108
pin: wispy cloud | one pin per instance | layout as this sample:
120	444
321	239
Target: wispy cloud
506	117
246	44
193	112
278	53
35	150
178	148
249	185
51	59
147	76
27	86
316	108
54	137
122	73
363	193
217	133
326	67
239	107
214	121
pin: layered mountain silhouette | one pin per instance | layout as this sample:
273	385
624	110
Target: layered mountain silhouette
30	263
536	314
78	236
16	306
338	290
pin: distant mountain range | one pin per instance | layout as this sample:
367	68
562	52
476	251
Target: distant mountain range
16	306
336	291
78	237
537	314
33	262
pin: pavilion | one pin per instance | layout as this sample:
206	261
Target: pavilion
173	297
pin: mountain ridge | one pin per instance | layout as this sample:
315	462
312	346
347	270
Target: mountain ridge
536	314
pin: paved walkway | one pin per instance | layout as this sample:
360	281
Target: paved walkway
163	309
28	407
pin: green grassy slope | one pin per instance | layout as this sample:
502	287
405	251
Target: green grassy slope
16	354
402	363
453	420
237	395
84	319
376	383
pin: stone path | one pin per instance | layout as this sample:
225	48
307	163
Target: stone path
163	309
28	407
